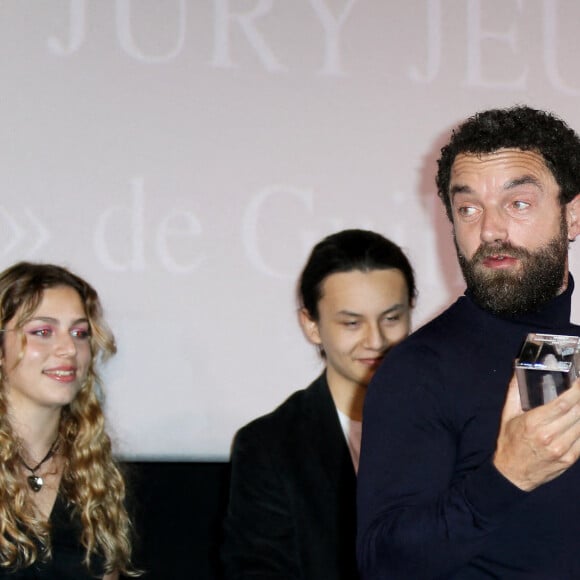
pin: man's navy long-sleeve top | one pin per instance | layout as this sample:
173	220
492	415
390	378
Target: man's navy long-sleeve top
430	502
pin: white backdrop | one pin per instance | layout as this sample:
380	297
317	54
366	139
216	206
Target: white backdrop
184	156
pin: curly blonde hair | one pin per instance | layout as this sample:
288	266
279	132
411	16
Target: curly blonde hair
91	481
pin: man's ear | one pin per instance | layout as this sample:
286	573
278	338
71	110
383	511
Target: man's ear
309	326
573	218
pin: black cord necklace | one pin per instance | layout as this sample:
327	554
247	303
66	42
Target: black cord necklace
36	482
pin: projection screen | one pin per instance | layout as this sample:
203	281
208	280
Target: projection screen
184	156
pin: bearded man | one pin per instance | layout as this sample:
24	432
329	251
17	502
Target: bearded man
456	481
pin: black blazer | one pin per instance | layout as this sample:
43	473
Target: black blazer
292	511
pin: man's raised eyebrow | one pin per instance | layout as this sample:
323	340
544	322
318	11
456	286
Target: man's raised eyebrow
459	189
523	180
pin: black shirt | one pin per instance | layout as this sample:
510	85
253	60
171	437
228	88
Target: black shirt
67	552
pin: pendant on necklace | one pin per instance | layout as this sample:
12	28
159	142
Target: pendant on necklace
35	482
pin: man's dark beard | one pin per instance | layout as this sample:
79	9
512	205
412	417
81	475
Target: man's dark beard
507	293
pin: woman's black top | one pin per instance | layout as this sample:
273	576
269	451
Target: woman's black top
67	552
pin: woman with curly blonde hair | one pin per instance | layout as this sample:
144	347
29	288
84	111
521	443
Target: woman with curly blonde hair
62	512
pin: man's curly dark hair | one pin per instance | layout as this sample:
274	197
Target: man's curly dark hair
518	127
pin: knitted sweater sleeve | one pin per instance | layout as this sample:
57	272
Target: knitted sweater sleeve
419	516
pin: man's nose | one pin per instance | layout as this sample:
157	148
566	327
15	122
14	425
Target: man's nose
494	226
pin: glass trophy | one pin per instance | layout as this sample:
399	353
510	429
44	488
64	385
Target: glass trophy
546	367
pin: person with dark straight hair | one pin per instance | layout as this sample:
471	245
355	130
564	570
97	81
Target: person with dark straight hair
459	479
292	511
